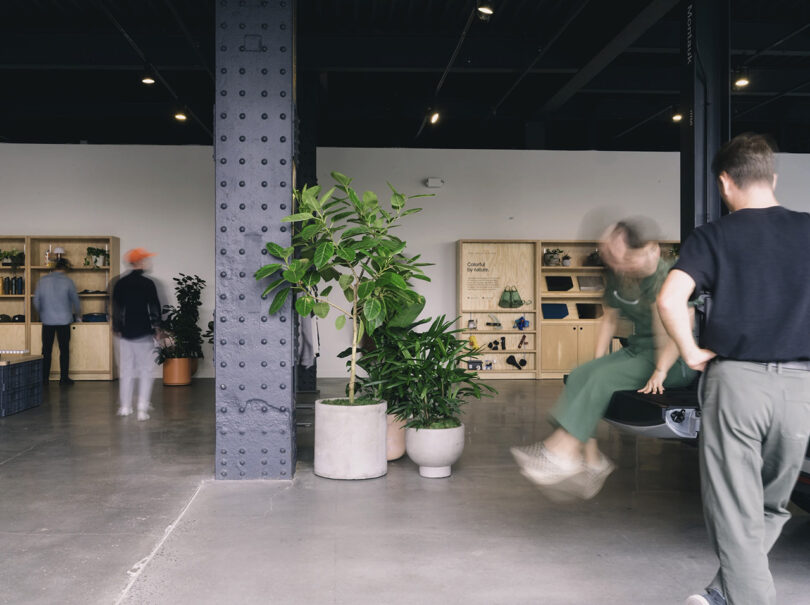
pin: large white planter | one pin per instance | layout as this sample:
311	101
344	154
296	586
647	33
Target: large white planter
350	440
435	450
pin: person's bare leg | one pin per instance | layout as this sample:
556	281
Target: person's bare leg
564	444
593	457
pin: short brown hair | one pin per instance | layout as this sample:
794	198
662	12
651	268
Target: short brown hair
747	158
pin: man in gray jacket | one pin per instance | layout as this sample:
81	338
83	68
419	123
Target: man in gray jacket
56	301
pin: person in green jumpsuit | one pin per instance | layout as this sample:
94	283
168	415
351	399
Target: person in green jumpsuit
649	363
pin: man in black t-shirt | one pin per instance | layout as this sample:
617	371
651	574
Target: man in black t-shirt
755	349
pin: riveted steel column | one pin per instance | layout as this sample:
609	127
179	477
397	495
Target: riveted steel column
705	105
255	394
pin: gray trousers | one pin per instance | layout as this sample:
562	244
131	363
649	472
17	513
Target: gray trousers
136	361
753	439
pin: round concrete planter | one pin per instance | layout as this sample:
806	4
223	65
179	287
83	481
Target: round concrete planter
435	450
395	438
350	440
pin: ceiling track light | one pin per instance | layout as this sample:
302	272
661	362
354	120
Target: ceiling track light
180	115
148	75
484	10
434	117
677	117
741	78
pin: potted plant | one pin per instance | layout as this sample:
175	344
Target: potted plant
551	257
427	372
12	258
97	257
181	342
380	358
566	260
344	239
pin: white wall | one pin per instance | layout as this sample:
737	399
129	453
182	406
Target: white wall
157	197
517	194
161	198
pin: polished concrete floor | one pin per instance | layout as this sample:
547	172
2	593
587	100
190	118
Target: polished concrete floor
100	509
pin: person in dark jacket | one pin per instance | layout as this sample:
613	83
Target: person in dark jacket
136	314
57	302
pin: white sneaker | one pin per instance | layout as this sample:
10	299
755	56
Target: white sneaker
523	454
545	468
143	416
593	479
122	411
710	597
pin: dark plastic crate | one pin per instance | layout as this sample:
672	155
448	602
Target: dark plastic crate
20	386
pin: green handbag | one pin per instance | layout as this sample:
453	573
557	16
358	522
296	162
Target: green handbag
510	299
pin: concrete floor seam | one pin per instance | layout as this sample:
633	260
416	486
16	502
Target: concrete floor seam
136	570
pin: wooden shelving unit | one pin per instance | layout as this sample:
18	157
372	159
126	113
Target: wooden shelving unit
485	268
91	344
563	320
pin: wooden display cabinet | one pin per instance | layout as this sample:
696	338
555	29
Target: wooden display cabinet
564	313
13	334
91	344
485	268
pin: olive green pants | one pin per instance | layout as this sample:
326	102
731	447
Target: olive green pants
753	439
589	388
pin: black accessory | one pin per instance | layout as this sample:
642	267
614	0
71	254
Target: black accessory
589	310
5	318
559	283
503	343
495	323
514	362
18	319
94	317
522	341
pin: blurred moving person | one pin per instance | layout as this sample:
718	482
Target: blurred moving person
136	315
649	363
57	303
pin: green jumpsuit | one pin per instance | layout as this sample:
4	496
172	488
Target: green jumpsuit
589	387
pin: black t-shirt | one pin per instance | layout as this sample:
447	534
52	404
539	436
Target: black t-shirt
136	308
756	266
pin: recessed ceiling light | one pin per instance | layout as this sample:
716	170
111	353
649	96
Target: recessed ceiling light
677	117
434	117
485	8
180	116
148	80
741	79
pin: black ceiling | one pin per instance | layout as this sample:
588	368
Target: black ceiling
554	74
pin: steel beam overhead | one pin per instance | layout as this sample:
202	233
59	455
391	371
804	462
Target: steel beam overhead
645	19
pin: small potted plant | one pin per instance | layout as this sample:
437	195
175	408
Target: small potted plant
180	345
96	257
428	372
12	258
551	257
566	260
346	240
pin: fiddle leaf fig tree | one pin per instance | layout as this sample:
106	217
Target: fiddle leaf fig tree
342	239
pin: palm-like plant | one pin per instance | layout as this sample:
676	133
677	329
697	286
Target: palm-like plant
422	375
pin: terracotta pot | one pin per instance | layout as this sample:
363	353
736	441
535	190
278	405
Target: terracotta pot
394	437
177	371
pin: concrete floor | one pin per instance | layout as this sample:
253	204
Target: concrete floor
100	509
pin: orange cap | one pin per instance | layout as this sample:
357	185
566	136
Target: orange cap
136	255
